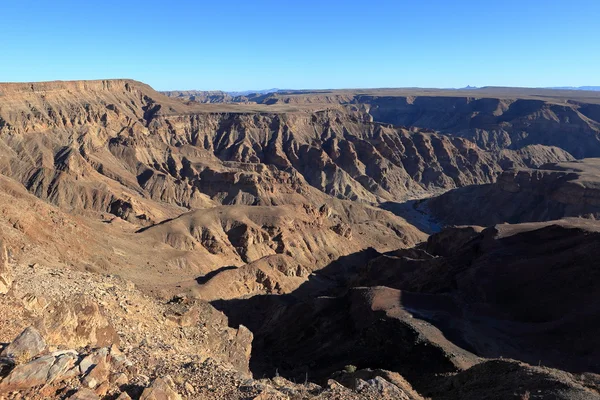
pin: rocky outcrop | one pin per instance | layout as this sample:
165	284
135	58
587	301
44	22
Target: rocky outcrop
505	379
489	293
389	384
451	239
95	374
77	322
230	345
320	336
510	290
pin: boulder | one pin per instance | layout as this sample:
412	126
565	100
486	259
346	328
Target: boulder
41	371
27	345
34	303
219	341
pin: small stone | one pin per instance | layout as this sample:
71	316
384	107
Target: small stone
161	389
84	394
190	389
119	379
97	375
102	389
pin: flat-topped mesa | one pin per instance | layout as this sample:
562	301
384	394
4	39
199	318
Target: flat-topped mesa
41	106
7	88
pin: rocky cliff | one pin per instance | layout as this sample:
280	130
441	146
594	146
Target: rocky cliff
552	191
493	118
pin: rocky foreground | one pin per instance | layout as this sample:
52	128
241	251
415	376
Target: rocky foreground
292	245
80	335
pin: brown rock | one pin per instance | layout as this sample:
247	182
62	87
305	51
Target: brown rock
102	389
119	379
77	322
97	375
161	389
6	278
384	388
84	394
93	359
388	384
34	303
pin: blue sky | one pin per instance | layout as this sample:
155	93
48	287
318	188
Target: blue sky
259	44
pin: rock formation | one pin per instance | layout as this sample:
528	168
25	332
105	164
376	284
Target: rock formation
552	191
494	118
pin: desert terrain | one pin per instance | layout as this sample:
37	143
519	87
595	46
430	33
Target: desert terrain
343	244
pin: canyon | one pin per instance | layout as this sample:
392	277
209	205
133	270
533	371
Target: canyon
343	244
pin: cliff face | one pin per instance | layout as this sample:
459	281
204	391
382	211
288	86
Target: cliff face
340	154
493	118
498	123
553	191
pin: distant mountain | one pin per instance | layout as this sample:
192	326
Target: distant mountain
593	88
247	92
219	96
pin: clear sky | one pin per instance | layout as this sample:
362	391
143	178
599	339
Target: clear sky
295	44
